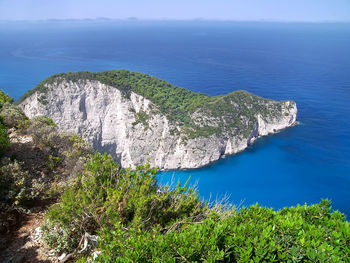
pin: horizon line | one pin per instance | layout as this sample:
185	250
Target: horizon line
135	19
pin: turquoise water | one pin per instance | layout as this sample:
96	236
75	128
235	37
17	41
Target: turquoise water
309	63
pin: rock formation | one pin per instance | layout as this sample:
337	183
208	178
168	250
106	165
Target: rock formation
124	114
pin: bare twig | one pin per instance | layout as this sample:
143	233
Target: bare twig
69	256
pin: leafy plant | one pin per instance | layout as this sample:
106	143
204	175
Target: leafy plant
105	195
12	115
139	222
14	183
255	234
5	98
4	139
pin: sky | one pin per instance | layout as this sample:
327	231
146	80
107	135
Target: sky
270	10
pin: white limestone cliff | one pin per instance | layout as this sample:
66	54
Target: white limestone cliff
108	120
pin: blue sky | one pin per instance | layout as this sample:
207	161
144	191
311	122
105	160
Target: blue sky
275	10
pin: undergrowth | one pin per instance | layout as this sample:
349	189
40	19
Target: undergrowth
136	221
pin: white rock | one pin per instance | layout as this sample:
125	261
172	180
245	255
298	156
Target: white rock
60	258
106	119
95	255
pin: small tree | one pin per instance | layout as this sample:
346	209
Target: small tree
4	98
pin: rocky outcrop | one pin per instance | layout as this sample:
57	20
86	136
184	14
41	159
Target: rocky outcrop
133	129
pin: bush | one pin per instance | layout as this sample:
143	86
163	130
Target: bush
63	148
12	115
15	183
4	98
105	195
138	222
60	239
61	155
4	139
39	125
255	234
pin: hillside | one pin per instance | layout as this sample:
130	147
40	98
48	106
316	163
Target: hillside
136	117
60	202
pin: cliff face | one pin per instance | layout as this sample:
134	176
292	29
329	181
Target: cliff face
133	129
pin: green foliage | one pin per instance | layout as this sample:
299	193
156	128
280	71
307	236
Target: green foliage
105	195
142	117
78	149
12	115
53	162
138	222
42	130
37	122
5	98
21	183
16	185
61	239
63	150
4	139
255	234
178	104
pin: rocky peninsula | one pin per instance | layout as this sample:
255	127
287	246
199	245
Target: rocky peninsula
136	117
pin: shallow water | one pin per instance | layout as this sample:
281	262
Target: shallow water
309	63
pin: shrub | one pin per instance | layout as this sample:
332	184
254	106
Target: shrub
37	122
255	234
60	239
78	148
4	139
53	162
138	222
63	153
40	128
105	195
60	154
14	183
4	98
142	117
12	115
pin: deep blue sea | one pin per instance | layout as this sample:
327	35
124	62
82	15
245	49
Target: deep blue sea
308	63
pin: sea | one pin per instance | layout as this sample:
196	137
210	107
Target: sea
305	62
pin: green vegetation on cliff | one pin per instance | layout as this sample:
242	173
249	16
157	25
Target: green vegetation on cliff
255	234
139	221
225	112
36	158
4	140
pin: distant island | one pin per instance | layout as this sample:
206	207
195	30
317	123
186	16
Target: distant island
136	117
